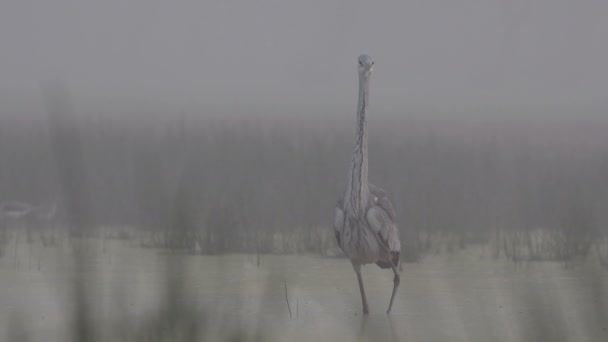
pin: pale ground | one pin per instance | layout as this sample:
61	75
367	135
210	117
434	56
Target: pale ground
458	297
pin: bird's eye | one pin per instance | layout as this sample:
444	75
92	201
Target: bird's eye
360	63
373	63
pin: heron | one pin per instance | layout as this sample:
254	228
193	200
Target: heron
29	214
15	209
365	220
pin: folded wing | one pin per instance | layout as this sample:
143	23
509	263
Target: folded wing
381	219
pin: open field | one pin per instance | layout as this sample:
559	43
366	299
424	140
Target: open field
135	293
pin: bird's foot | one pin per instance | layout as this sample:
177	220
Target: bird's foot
365	310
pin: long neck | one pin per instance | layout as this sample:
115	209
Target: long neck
357	188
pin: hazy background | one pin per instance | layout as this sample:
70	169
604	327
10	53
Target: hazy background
484	114
194	153
469	56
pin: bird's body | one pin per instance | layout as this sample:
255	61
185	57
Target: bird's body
32	218
15	210
18	210
362	242
364	221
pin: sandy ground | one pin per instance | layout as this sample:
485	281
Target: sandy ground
457	297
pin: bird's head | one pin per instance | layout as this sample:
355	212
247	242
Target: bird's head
366	65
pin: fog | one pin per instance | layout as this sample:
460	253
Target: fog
169	171
432	55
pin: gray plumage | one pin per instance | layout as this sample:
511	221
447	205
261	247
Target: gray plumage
15	210
18	210
364	220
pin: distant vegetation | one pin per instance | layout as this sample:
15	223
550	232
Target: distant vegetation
211	185
525	191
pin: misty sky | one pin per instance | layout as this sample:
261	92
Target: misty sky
429	53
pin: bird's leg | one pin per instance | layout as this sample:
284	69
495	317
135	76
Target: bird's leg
357	268
396	281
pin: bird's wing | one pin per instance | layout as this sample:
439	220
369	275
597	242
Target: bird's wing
384	228
15	209
381	199
338	221
16	206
